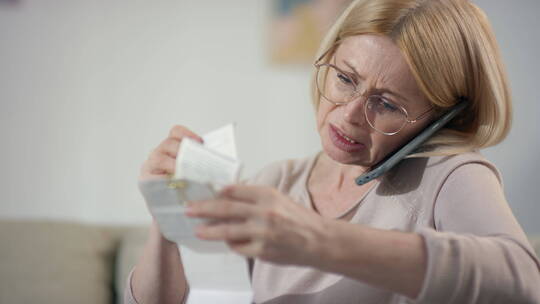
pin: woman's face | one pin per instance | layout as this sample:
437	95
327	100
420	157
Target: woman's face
381	69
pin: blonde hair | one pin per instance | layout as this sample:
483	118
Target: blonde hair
452	52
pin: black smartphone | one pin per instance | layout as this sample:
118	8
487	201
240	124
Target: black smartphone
394	158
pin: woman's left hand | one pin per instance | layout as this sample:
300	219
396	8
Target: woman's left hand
261	222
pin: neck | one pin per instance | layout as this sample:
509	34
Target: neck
337	175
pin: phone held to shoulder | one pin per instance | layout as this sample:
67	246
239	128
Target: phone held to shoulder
395	157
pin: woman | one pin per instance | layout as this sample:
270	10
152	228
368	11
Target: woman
435	229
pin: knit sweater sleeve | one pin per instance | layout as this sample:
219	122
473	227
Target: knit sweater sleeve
478	252
129	298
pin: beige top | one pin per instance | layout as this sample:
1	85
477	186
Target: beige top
477	251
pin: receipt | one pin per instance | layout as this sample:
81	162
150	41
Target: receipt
222	141
196	162
214	273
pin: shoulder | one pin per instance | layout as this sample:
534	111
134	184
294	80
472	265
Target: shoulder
464	184
441	167
471	198
281	173
465	166
427	175
469	178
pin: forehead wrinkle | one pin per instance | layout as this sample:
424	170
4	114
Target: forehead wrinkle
384	66
379	74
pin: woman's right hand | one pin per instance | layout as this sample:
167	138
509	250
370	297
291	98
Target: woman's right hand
159	275
162	160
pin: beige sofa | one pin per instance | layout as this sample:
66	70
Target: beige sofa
67	262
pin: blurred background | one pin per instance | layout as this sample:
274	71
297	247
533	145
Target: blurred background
89	88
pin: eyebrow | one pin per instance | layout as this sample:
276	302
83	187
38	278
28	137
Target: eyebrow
382	90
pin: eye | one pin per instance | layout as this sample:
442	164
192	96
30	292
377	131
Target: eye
388	106
344	79
383	106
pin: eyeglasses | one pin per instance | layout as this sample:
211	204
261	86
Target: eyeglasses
339	87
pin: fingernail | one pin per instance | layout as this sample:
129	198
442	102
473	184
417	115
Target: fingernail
199	139
226	190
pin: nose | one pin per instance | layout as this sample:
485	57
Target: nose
353	111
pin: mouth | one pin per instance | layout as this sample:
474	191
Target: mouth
344	142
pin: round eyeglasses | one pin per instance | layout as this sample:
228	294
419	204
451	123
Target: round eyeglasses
337	87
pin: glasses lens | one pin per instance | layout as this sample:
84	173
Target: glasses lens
384	116
334	85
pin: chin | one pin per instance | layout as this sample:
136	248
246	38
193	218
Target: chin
342	157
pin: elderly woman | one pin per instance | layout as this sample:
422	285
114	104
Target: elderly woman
434	229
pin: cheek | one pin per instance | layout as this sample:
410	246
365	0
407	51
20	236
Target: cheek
323	113
380	146
384	145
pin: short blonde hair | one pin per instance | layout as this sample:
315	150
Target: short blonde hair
452	52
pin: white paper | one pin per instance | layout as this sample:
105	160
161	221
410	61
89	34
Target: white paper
198	163
222	141
203	296
216	278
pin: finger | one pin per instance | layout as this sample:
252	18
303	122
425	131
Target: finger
159	163
178	132
148	176
247	192
232	231
237	243
168	146
250	249
220	209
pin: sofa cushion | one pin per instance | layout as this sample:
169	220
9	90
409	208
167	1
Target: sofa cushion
55	262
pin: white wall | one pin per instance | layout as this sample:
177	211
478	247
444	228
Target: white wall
89	88
517	28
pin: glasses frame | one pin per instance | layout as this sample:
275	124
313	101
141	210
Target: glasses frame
356	94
